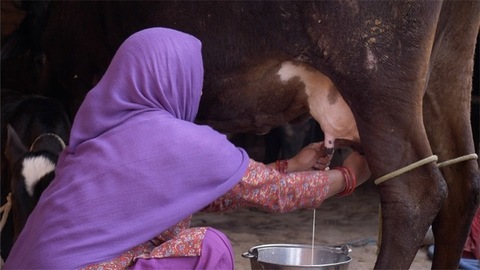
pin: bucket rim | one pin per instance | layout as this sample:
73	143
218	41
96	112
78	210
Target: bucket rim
343	249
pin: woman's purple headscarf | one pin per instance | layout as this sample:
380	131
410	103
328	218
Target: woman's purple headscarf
136	164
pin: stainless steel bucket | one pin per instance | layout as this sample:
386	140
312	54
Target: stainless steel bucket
295	257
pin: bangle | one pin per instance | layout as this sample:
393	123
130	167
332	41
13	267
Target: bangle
281	165
350	181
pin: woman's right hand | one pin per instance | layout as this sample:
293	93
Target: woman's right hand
358	166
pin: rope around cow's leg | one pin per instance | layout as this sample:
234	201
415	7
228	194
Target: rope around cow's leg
457	160
5	209
423	162
390	175
405	169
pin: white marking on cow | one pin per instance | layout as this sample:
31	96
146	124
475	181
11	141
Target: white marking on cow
326	104
35	168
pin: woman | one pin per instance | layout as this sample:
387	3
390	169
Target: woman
137	168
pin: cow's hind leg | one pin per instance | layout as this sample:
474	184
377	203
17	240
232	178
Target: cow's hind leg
393	136
409	203
452	224
447	119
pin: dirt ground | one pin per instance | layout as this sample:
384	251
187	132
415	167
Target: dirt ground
352	220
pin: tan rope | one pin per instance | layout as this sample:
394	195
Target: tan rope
439	165
457	160
406	169
5	209
423	162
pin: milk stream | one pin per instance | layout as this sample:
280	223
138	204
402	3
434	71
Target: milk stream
313	235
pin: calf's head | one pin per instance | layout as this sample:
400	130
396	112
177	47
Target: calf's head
31	172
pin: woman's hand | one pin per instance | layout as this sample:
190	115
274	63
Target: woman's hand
358	166
312	156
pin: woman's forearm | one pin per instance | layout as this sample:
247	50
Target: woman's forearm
271	191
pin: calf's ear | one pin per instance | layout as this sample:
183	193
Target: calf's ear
14	147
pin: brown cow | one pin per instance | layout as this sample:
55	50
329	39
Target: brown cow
395	64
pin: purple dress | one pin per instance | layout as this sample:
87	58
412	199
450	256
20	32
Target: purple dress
136	164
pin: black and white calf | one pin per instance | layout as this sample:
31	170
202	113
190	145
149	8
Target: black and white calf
32	170
36	129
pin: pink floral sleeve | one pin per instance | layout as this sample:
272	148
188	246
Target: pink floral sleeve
260	187
272	191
